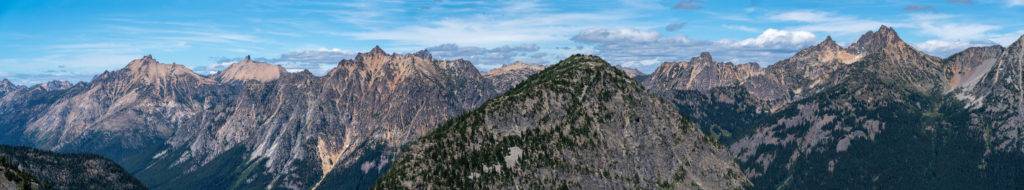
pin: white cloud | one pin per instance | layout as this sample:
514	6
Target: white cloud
944	48
487	58
644	49
773	38
955	31
1015	3
741	28
828	22
601	35
688	4
1007	38
509	22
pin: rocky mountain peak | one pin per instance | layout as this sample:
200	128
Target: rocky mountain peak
878	41
705	57
829	44
377	50
6	85
425	54
55	85
248	69
147	69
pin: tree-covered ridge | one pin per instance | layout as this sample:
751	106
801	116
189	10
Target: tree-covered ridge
578	124
68	171
15	178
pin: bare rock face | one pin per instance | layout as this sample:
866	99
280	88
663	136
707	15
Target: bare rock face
578	124
247	69
965	69
700	73
302	131
117	114
252	125
507	76
999	102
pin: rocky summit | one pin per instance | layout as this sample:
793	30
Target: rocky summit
579	124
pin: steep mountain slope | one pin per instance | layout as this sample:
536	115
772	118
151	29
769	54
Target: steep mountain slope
15	178
65	171
581	124
6	86
965	69
302	131
120	112
1000	102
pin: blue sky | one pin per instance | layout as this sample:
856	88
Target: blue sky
75	40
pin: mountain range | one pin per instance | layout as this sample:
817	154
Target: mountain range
875	114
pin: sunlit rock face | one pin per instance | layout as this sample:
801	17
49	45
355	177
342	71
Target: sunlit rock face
169	125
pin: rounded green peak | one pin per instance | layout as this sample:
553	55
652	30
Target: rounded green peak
588	60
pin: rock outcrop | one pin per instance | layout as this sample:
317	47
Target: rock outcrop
303	131
507	76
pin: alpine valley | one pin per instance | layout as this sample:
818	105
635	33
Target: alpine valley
877	114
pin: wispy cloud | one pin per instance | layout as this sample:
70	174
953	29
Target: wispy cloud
317	61
489	58
644	49
965	2
688	4
675	26
916	7
944	48
1013	3
828	22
